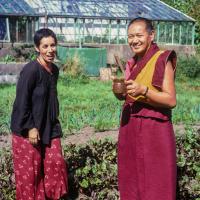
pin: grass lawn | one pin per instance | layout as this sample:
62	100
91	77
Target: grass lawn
85	102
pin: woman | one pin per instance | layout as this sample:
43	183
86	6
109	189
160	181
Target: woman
146	147
39	167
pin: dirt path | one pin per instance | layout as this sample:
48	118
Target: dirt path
87	134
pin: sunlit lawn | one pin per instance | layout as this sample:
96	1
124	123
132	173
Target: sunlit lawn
85	102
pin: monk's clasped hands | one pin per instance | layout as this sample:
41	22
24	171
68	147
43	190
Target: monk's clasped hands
134	89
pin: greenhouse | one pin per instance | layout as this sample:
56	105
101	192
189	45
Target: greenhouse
18	21
106	21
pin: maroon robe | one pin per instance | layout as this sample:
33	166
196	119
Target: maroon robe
146	146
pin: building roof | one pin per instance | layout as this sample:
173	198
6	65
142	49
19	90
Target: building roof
110	9
106	9
15	8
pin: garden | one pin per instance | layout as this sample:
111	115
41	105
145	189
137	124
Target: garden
86	102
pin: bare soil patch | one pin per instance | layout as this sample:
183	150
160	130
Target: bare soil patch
88	133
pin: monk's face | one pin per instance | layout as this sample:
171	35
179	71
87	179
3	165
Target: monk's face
139	38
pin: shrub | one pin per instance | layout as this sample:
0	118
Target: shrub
93	169
198	49
8	59
188	152
7	185
73	66
188	66
25	53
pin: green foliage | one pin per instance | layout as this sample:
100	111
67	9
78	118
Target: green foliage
86	102
198	48
7	183
25	53
188	66
188	106
93	169
7	94
73	66
188	152
8	59
83	102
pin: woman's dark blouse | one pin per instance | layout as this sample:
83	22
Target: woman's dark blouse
36	104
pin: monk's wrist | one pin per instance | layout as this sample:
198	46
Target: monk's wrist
145	91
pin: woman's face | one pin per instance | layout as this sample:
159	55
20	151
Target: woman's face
47	49
139	38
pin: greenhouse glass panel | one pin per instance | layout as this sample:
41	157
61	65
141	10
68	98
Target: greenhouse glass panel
155	24
184	33
91	19
54	6
97	31
114	32
152	9
89	30
7	6
22	29
1	10
168	32
69	30
105	31
3	30
79	30
161	32
60	28
176	33
52	23
15	7
189	37
122	32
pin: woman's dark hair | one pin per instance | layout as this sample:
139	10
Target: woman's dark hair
41	33
149	25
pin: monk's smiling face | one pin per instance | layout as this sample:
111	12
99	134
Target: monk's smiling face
139	37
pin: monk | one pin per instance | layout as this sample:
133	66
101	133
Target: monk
146	146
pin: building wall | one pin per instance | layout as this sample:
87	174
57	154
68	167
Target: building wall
124	52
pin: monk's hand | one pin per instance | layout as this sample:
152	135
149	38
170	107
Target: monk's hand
33	136
134	89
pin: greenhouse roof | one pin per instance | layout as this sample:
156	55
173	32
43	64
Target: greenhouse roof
15	8
112	9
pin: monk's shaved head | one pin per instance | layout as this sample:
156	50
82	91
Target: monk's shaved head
147	22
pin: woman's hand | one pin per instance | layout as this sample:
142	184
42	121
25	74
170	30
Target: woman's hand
135	89
33	136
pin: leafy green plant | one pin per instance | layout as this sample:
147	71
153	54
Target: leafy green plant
93	168
25	53
188	152
7	183
73	66
188	67
7	59
7	93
